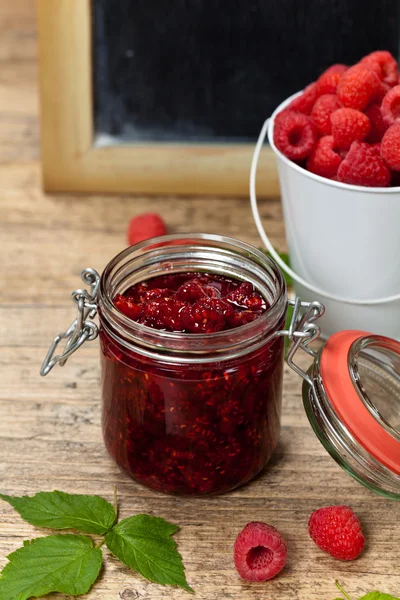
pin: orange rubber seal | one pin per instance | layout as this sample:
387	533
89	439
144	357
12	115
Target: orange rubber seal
348	405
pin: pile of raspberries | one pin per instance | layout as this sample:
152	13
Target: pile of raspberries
346	125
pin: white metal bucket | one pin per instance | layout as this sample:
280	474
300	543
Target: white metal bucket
344	244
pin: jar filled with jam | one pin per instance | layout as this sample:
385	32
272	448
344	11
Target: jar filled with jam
191	366
191	361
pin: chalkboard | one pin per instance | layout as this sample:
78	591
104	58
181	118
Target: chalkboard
213	70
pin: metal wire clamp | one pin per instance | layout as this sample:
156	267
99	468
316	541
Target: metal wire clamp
302	331
82	329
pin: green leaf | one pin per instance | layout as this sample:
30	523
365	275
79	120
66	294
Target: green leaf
68	564
340	588
378	596
144	543
58	510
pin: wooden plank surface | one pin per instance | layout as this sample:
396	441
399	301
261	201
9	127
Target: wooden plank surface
50	433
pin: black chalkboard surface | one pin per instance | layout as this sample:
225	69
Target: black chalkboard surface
213	70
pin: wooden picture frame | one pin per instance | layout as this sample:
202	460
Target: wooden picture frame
71	161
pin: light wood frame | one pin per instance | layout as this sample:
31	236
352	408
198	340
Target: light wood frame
71	161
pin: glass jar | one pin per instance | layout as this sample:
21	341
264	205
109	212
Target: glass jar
191	413
351	395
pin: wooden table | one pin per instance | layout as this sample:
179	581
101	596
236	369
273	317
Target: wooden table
50	428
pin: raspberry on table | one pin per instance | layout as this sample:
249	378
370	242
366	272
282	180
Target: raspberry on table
324	106
378	124
305	101
145	226
295	135
390	106
328	81
383	64
337	530
357	87
349	125
390	147
363	166
323	160
259	552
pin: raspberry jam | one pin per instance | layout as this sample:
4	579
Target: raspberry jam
191	363
192	303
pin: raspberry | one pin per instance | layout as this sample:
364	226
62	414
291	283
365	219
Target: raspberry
357	87
328	81
163	313
191	290
324	161
145	226
305	101
206	316
323	108
349	125
242	318
259	552
383	64
378	125
156	293
128	307
391	105
363	166
245	297
384	88
295	135
337	530
390	147
376	147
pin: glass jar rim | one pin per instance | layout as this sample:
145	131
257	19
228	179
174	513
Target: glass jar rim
169	248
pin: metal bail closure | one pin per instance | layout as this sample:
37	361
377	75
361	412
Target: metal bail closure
302	331
82	329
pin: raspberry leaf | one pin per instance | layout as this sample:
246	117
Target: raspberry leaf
58	510
68	564
345	594
144	544
370	596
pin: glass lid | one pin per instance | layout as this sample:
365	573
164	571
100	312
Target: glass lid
374	364
351	394
360	374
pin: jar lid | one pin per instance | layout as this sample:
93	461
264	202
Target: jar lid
351	394
360	374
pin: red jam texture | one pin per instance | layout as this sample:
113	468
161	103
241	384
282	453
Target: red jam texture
192	303
192	429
